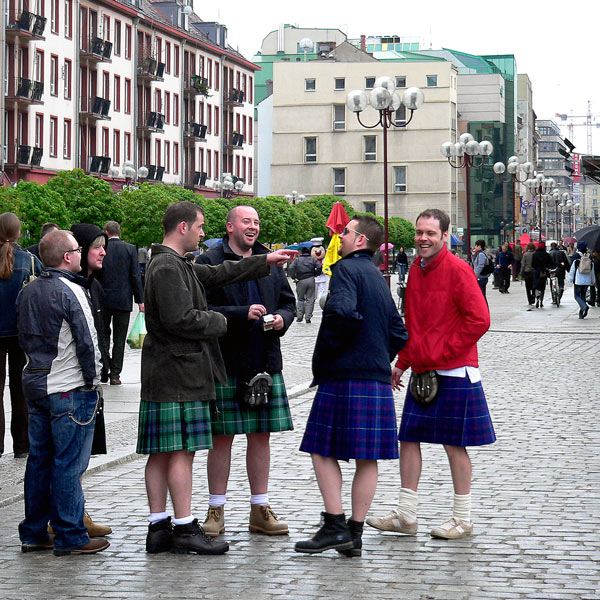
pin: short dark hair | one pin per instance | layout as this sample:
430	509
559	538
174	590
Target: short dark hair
554	246
481	244
112	228
47	228
437	214
179	212
371	228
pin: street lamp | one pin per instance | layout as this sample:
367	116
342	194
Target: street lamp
295	197
131	175
229	186
519	173
386	100
467	153
541	187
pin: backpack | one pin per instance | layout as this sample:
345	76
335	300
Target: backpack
488	268
585	264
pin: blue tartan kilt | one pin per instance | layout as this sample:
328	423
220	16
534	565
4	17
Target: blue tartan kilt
459	416
352	419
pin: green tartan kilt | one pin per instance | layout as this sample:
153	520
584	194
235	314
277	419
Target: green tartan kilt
229	418
170	426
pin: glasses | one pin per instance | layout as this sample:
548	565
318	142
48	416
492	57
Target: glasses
74	250
347	230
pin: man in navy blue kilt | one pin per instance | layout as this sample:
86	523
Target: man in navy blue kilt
250	346
353	415
446	315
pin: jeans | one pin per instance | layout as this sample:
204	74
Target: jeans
482	281
580	292
305	290
61	428
505	274
9	346
120	323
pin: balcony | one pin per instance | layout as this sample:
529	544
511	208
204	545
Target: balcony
234	141
95	109
155	173
151	122
99	165
25	92
194	85
25	25
194	132
196	180
96	50
234	97
24	157
149	69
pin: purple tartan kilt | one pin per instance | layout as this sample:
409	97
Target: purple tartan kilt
352	419
459	416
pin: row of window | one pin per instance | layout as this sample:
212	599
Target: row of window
369	149
241	167
339	83
339	117
339	181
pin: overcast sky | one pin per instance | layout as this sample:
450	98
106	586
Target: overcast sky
555	42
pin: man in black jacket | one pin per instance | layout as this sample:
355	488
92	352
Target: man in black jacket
121	280
303	271
250	346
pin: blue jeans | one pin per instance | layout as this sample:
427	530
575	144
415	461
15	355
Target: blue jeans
61	429
580	291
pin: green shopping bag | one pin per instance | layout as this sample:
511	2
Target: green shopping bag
136	336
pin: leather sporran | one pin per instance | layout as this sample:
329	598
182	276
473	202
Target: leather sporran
424	387
257	391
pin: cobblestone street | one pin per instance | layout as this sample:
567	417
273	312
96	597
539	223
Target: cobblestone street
536	492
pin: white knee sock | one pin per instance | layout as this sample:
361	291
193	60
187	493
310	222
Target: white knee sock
407	503
156	517
183	520
462	507
262	499
216	500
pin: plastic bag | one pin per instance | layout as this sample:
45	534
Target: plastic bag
136	336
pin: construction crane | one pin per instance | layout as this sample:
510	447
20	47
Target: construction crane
589	118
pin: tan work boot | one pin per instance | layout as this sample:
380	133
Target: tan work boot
94	530
214	524
264	520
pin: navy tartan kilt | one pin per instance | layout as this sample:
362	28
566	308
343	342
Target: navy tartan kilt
459	416
352	419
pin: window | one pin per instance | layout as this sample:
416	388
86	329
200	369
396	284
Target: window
209	71
117	40
105	148
39	130
431	80
370	207
128	96
158	101
54	75
39	65
249	171
157	157
167	107
116	147
53	135
69	19
216	165
400	179
176	60
208	164
106	27
167	57
167	157
401	82
310	85
339	83
67	138
216	120
400	116
175	109
54	8
117	93
106	86
217	77
209	118
249	131
175	158
250	88
127	146
370	147
369	82
339	117
339	181
310	149
67	80
128	42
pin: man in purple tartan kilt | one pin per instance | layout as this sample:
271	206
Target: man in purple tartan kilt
353	415
446	314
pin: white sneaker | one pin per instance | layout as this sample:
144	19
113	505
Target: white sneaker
395	521
453	529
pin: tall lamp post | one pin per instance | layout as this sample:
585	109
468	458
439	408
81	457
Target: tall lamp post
386	101
295	197
132	175
229	186
519	173
467	153
541	187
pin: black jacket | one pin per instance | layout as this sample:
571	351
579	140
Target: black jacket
246	347
304	267
121	275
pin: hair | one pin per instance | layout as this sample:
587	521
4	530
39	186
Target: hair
97	242
554	246
113	228
10	232
372	229
530	246
47	228
54	245
481	244
438	215
178	213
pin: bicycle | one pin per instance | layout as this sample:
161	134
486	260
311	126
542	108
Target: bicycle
554	288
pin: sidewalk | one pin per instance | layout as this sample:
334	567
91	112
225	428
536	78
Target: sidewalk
536	492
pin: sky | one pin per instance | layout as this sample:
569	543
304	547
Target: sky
554	42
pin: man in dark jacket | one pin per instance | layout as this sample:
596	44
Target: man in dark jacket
121	280
250	346
181	360
560	260
504	262
352	416
303	271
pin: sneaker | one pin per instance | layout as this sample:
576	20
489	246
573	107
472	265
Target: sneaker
92	547
94	529
394	521
214	524
264	520
453	529
191	538
160	536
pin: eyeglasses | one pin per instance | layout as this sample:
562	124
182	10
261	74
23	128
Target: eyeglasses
74	250
347	230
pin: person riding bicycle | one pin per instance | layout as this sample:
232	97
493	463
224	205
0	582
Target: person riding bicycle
540	262
561	261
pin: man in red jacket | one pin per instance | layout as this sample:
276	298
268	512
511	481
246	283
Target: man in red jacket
446	314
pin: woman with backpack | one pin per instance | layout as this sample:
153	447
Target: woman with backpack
582	274
482	265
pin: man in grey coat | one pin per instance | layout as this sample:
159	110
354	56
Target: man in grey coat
303	271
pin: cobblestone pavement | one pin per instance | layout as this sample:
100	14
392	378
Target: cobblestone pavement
536	494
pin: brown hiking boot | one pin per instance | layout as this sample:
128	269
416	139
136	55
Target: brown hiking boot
92	547
94	530
214	524
264	520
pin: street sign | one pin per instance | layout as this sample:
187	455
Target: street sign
525	204
524	230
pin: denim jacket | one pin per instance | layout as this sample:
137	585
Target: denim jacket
10	288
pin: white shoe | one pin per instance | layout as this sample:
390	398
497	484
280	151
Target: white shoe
453	529
395	521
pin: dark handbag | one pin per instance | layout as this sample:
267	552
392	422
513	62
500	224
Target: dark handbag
424	387
99	441
257	391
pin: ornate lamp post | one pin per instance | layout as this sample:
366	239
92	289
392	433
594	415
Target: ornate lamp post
131	175
541	187
467	153
295	197
386	101
229	186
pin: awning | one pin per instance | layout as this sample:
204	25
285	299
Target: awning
455	240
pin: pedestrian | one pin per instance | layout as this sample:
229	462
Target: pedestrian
57	332
143	261
353	415
504	262
582	275
527	272
180	362
445	316
303	271
540	262
480	264
595	290
121	281
518	256
46	228
561	263
258	312
402	263
16	267
321	280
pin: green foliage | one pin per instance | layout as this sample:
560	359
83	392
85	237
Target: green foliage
215	216
400	232
325	203
315	222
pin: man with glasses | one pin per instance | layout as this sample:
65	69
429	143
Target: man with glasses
56	331
303	271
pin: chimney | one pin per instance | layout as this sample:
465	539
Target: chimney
363	43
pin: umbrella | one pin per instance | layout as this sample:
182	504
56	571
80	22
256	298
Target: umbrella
292	247
389	246
524	240
590	235
305	245
212	242
569	240
338	218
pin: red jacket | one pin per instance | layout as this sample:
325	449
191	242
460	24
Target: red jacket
446	314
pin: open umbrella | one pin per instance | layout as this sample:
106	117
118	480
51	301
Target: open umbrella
337	220
524	240
569	240
212	242
590	235
389	246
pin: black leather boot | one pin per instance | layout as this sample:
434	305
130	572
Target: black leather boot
333	534
191	538
356	530
160	536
